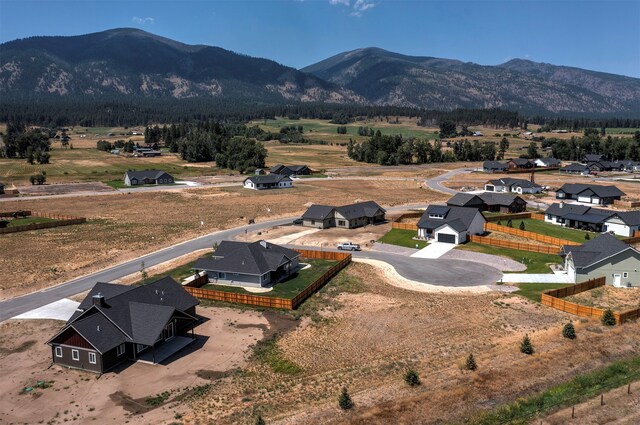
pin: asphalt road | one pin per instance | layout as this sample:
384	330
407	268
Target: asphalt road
435	183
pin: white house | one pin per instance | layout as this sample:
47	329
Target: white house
623	223
450	224
269	181
512	185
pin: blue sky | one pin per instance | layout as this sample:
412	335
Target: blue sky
598	35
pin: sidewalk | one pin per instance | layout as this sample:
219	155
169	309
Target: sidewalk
434	250
536	278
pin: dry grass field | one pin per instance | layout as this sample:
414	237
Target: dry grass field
617	299
122	227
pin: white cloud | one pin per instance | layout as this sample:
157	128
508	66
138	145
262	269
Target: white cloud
343	2
143	21
360	6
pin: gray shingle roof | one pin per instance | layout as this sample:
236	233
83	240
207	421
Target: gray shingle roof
507	181
463	199
549	162
494	165
601	191
318	212
360	209
502	199
255	258
596	250
147	174
268	179
631	218
593	157
459	218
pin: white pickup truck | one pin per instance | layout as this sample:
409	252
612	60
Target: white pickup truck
348	246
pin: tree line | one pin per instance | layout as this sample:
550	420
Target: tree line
30	144
592	142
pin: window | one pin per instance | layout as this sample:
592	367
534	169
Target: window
75	354
120	350
341	223
58	351
92	358
625	275
222	275
139	347
549	216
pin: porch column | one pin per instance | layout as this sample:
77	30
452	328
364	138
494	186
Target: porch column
154	353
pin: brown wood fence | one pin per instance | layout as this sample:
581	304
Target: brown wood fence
628	204
529	170
553	299
529	235
396	223
11	213
500	243
61	220
515	216
274	302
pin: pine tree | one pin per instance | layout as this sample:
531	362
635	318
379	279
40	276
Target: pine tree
471	364
412	378
608	319
569	331
509	223
586	236
525	346
522	225
259	420
344	401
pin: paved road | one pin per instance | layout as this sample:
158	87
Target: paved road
435	183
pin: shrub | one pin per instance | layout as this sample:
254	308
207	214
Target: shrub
586	236
509	223
259	420
499	223
471	364
525	346
522	227
344	401
569	331
411	378
608	319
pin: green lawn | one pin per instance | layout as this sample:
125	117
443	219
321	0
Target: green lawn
402	238
179	273
534	291
119	184
535	262
290	287
28	220
556	231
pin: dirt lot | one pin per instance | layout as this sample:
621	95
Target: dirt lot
61	189
121	227
617	299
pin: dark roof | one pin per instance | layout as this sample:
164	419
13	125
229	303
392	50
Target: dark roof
276	168
593	158
297	168
574	166
147	174
549	162
318	212
463	199
562	209
459	218
504	199
587	218
255	258
267	179
100	332
520	161
351	211
596	250
507	181
494	165
599	190
631	218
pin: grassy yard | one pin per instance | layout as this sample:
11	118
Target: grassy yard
535	262
179	273
402	238
290	287
542	228
28	220
119	184
534	291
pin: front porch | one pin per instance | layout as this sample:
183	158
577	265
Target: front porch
161	352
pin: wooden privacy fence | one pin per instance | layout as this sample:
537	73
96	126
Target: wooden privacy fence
61	220
515	216
500	243
628	204
11	213
553	299
273	302
396	223
529	235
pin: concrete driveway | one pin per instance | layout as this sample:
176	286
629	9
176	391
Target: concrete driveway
434	250
536	278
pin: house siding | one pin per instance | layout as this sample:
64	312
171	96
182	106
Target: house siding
214	276
616	226
83	359
319	224
626	261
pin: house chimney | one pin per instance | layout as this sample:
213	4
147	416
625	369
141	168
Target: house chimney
561	204
98	300
263	243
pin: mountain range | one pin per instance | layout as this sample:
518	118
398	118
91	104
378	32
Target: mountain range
133	63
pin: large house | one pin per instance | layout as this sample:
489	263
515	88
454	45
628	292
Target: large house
623	223
270	181
494	167
604	256
627	165
512	185
589	193
290	170
520	163
346	216
254	264
597	163
546	162
118	323
135	178
492	202
450	224
575	168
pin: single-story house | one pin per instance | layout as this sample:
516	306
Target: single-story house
249	263
494	167
493	202
146	152
589	193
450	224
577	216
512	185
290	170
546	162
575	168
118	323
628	166
347	216
604	256
270	181
599	166
623	223
260	172
520	163
135	178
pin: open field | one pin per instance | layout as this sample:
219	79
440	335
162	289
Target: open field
535	262
125	226
617	299
316	157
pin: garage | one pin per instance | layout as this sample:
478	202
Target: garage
443	237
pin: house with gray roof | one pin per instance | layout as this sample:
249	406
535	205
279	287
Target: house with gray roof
521	163
604	256
135	178
623	223
589	193
547	162
577	216
254	264
347	216
450	224
508	184
575	168
269	181
290	170
494	167
119	323
489	201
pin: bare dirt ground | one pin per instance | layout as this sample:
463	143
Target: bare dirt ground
121	227
119	397
617	299
60	189
514	238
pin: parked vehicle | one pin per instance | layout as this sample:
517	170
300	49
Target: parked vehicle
297	221
348	246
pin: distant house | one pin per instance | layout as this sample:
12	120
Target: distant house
260	172
593	158
520	163
512	185
255	264
347	216
450	224
575	169
589	193
627	165
599	166
547	162
118	323
577	216
623	223
135	178
604	256
270	181
146	152
494	167
290	170
492	202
